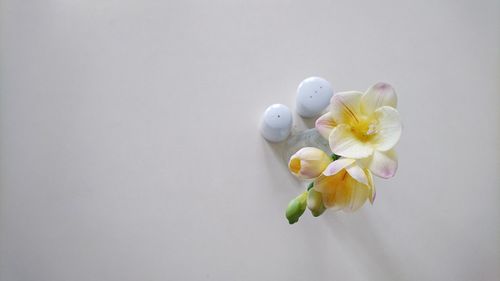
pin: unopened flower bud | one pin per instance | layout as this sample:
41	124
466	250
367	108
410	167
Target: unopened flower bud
296	208
315	202
308	163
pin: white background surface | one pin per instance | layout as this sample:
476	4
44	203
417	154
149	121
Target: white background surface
129	145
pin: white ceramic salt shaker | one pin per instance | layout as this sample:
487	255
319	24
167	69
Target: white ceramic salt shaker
276	123
313	96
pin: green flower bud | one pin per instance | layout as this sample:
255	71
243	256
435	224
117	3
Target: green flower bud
296	208
315	202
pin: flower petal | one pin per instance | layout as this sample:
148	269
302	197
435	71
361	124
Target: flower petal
383	164
312	153
344	143
345	107
337	165
358	174
358	194
388	128
378	95
331	201
371	185
336	197
325	124
328	184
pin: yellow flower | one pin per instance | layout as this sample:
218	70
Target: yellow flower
364	126
308	162
344	185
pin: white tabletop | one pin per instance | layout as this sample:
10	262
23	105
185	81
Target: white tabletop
130	149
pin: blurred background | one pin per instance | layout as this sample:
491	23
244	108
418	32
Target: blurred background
129	143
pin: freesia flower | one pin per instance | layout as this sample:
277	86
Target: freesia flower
344	185
364	126
308	162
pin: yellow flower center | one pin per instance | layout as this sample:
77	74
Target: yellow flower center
295	165
364	128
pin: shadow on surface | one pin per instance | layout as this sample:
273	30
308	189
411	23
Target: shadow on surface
365	245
